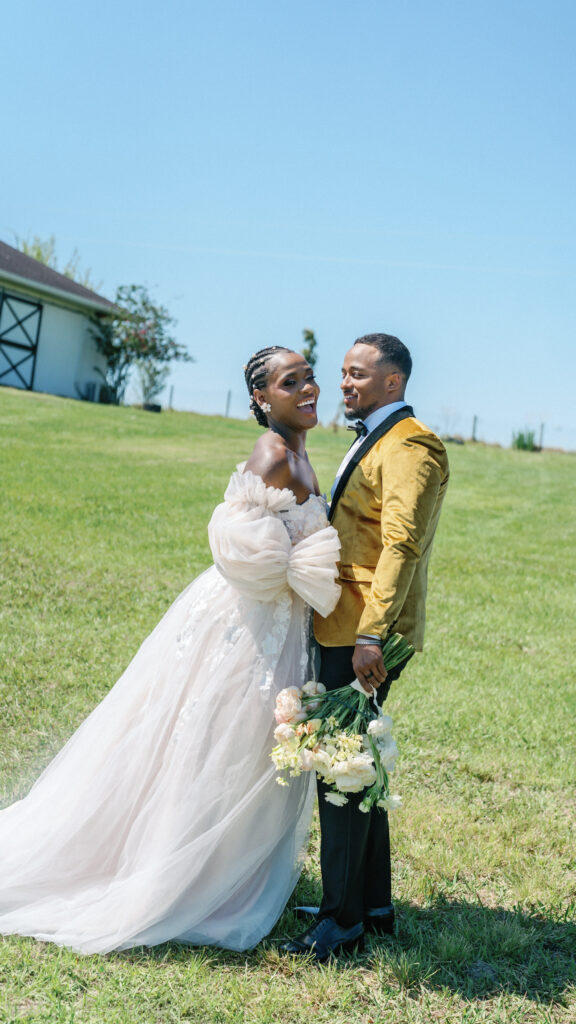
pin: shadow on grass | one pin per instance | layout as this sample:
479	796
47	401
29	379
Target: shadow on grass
478	951
466	948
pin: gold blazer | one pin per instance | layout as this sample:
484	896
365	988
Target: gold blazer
386	516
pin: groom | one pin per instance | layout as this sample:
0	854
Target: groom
386	502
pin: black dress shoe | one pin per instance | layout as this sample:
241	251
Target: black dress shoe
324	939
380	921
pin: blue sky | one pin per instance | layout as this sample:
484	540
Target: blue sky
345	165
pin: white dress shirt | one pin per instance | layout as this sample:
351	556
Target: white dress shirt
371	422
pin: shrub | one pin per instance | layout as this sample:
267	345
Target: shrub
525	441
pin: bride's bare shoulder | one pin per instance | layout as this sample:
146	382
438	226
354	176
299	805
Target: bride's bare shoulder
269	460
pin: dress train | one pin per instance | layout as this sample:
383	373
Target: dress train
161	819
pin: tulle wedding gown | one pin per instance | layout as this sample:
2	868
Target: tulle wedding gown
161	819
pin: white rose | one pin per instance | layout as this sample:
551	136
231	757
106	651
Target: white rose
336	798
388	751
312	688
313	725
354	774
284	733
390	802
307	760
289	705
381	725
322	762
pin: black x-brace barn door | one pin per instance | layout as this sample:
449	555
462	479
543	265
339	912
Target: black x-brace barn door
20	321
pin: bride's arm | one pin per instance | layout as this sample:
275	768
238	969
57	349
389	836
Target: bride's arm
252	548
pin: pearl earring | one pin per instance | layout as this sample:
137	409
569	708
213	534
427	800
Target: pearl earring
266	407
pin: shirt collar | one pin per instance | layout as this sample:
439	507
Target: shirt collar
379	415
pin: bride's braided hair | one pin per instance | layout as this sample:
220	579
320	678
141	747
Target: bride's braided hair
256	375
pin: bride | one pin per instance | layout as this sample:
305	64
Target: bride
161	819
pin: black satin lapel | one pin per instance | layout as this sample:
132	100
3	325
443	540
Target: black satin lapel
367	443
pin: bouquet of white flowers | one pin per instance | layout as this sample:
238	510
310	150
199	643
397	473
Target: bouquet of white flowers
342	735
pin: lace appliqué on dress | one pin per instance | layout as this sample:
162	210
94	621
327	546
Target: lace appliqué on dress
301	521
247	491
201	600
274	641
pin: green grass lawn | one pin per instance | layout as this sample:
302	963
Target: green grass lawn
103	521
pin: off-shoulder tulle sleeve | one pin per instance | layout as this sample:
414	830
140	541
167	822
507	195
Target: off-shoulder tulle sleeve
251	547
312	572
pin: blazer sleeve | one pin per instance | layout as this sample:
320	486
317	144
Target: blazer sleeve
412	477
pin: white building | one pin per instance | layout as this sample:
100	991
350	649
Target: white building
45	340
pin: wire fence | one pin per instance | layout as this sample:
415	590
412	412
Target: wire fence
551	432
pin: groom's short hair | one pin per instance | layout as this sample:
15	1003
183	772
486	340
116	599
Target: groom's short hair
391	350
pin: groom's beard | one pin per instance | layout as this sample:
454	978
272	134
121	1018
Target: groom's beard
360	413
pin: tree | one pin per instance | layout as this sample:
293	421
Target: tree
44	250
310	344
136	336
152	379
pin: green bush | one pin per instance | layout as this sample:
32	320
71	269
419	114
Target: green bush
525	441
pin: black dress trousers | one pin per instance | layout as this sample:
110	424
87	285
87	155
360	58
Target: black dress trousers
354	845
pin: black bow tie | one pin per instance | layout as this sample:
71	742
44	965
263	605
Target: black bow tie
360	428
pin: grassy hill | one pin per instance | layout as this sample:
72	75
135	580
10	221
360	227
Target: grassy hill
103	515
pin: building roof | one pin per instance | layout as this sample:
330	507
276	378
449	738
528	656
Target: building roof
16	266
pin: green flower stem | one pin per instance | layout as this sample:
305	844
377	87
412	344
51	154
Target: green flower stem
396	649
381	773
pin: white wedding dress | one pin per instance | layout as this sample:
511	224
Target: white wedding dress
161	818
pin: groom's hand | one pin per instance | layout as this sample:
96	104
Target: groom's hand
368	665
